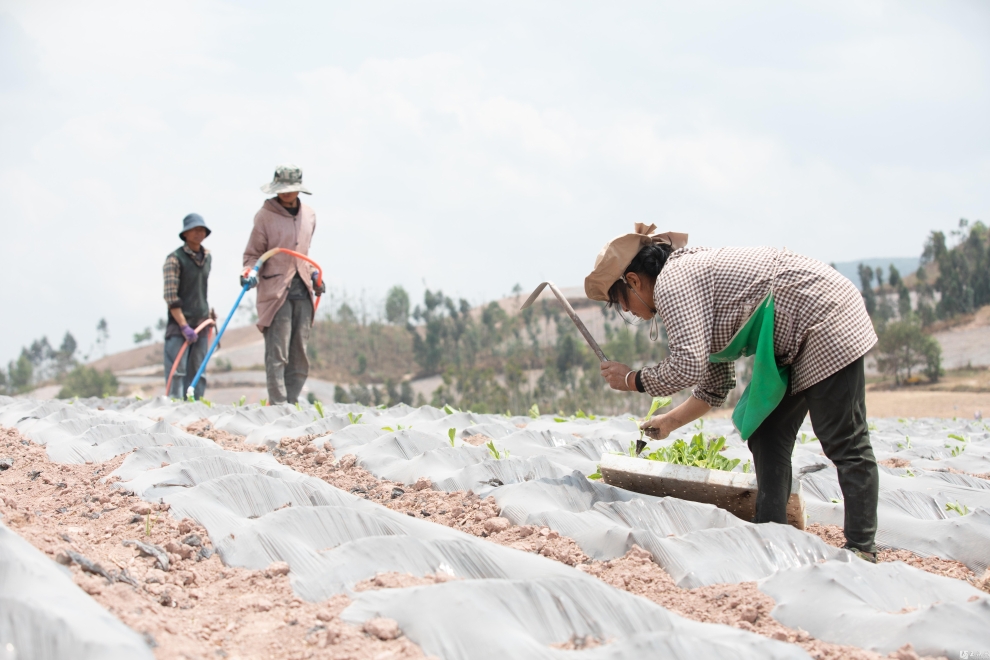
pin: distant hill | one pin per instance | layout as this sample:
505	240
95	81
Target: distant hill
906	266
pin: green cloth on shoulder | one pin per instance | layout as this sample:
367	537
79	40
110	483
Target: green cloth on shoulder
769	383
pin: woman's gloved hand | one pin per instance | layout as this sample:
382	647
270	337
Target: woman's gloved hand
319	288
248	277
189	334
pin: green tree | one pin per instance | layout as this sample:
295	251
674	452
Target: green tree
866	286
903	347
86	381
20	374
397	306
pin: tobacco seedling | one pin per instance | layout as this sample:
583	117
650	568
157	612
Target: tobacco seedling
319	408
908	472
398	427
961	509
871	426
699	453
450	434
906	444
747	466
958	449
657	403
495	452
241	401
597	475
354	418
954	436
534	411
263	402
447	409
805	438
298	407
836	501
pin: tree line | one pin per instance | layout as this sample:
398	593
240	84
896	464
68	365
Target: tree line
951	281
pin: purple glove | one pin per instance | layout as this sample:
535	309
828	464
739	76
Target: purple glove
189	334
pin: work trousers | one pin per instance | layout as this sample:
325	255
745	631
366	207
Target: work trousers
286	362
188	365
838	416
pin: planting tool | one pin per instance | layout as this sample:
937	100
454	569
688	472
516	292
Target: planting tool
733	491
253	273
570	312
182	351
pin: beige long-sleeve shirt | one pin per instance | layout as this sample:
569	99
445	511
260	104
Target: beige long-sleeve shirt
704	296
275	227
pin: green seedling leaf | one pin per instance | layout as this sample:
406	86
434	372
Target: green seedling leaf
534	411
699	453
319	408
559	419
354	418
493	451
958	449
961	509
596	476
953	436
243	400
451	432
747	466
263	402
906	444
871	426
447	409
836	501
388	428
298	407
908	472
658	402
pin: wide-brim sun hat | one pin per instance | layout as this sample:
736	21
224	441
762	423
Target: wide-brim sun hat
288	178
618	253
192	221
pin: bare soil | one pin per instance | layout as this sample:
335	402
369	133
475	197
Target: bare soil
740	605
834	536
198	608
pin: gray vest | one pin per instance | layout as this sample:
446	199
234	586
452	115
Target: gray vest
192	290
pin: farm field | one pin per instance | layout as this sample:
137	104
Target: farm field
174	530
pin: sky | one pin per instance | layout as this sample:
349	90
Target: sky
470	146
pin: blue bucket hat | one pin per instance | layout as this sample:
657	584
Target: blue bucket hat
193	220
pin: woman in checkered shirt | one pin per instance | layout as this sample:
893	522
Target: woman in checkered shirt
703	296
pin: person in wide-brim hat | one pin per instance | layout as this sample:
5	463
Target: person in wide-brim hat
287	288
806	325
186	273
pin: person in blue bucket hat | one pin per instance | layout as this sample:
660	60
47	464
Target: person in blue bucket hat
186	272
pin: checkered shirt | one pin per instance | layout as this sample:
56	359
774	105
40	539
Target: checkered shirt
173	268
705	295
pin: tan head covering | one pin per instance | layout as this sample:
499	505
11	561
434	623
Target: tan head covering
619	252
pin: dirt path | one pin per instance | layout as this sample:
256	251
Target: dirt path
920	403
741	605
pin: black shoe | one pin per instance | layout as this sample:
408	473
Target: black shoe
865	556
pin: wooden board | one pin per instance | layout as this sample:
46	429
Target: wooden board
733	491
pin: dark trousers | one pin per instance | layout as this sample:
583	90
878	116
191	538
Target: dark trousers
838	415
188	365
286	362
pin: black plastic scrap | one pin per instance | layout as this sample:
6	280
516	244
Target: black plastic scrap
150	550
89	566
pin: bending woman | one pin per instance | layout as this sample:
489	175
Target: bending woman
717	304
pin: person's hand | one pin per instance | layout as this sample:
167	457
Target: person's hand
250	278
189	334
319	287
615	374
658	427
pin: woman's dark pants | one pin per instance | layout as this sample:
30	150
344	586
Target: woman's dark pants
838	415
